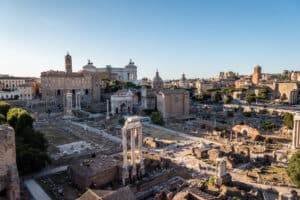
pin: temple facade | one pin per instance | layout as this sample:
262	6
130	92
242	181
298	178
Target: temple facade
88	82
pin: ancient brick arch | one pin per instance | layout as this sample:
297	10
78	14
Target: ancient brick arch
251	132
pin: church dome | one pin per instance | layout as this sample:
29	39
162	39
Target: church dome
89	66
157	78
131	64
183	78
157	82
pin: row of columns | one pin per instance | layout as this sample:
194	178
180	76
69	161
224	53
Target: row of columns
132	126
69	102
296	132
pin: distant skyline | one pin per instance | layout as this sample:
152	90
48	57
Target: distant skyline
197	37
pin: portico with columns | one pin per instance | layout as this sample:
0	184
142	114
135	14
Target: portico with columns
133	128
296	132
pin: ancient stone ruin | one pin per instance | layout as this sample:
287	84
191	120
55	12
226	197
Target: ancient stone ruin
9	177
133	127
296	132
69	104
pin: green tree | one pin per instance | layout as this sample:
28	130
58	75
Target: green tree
288	120
227	99
216	96
13	115
130	85
19	119
2	119
211	180
4	108
122	121
263	93
250	97
31	145
268	126
294	168
156	118
30	159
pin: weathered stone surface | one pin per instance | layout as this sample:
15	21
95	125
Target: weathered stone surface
251	132
9	178
173	103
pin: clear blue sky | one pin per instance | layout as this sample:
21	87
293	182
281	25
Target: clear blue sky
200	37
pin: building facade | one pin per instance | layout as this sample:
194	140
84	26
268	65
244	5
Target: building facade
148	98
23	88
174	103
202	86
295	76
122	102
56	84
256	76
127	73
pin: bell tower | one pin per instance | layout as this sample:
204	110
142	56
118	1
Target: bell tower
68	63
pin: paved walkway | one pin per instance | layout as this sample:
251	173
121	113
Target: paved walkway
35	190
184	135
97	131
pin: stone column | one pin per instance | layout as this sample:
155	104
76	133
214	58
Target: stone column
221	168
107	109
125	174
296	132
134	126
78	101
69	103
140	135
133	133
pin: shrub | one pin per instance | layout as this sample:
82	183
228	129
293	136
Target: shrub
4	107
268	126
288	120
250	97
31	146
19	119
122	121
2	119
294	168
156	118
211	180
227	99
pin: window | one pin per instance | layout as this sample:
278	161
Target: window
58	93
86	91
